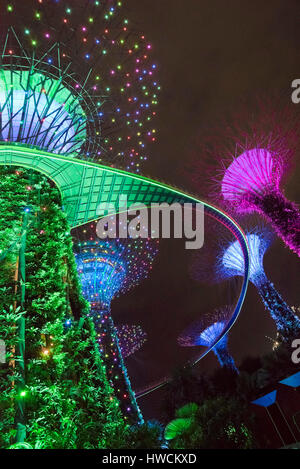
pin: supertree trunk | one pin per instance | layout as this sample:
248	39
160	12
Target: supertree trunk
115	366
283	215
223	356
287	323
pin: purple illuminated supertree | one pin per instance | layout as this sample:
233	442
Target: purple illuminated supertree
108	268
131	339
247	163
229	263
206	332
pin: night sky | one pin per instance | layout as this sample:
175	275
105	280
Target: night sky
211	55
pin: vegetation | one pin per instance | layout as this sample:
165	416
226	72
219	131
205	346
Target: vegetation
68	401
214	411
220	423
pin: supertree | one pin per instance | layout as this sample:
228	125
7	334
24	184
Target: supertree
229	263
247	164
252	183
107	269
131	338
77	79
206	332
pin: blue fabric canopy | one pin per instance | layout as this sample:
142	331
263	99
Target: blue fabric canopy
267	400
293	381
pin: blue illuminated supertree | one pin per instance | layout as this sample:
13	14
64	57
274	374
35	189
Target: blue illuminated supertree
206	332
229	263
107	269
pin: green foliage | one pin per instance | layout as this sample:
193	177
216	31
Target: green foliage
148	435
178	427
186	419
8	375
223	422
22	446
219	423
187	411
69	402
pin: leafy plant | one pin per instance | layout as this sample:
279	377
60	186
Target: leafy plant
69	401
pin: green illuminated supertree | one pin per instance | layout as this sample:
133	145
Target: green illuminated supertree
77	80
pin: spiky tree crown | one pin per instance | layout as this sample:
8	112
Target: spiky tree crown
222	257
231	261
110	267
207	330
248	153
256	156
251	174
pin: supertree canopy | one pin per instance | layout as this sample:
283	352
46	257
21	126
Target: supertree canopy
131	339
81	76
206	332
252	183
108	268
230	263
40	111
244	164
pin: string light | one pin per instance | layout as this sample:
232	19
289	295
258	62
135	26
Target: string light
131	339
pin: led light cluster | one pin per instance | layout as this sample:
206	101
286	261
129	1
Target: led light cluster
131	339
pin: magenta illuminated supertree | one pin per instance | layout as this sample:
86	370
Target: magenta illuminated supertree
252	183
248	162
229	263
88	51
131	339
108	268
206	332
